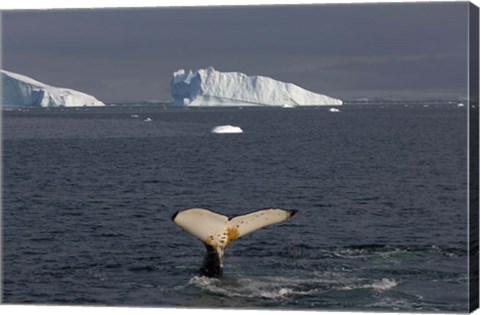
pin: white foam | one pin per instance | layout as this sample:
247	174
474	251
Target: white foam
384	284
282	288
148	119
245	287
227	129
333	110
203	281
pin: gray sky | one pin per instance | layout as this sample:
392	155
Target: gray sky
411	50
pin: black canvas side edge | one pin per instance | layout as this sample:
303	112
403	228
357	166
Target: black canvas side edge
473	144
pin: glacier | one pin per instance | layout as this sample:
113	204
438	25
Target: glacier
208	87
21	91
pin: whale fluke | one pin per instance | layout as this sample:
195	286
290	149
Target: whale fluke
216	230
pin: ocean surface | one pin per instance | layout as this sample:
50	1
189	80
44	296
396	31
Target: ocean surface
381	194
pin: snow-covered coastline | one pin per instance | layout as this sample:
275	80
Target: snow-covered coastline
208	87
22	91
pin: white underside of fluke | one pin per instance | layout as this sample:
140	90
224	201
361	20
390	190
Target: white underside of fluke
217	230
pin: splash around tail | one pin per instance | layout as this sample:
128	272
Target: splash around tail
216	231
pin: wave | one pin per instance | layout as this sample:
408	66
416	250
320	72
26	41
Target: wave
375	251
366	252
382	285
242	288
285	288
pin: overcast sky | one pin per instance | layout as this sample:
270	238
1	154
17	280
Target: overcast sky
411	50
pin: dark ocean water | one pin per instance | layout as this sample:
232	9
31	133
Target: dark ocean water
88	195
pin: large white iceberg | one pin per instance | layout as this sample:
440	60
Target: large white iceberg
22	91
208	87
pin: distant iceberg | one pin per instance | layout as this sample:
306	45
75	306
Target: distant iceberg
21	91
208	87
227	129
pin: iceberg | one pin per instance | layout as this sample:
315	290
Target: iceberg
208	87
227	129
21	91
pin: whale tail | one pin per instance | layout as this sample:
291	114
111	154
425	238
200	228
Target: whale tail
216	230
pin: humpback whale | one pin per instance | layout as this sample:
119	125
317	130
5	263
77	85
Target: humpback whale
216	231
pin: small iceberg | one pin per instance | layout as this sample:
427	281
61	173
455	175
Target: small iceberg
460	105
148	119
227	129
333	110
288	106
